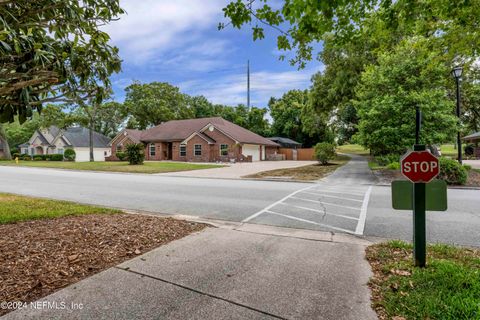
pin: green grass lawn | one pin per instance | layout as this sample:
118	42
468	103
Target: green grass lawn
449	150
15	208
114	166
448	288
353	149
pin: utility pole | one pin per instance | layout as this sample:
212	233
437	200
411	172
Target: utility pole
248	84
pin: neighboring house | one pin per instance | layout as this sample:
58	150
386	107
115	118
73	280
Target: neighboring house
286	142
199	140
54	140
474	138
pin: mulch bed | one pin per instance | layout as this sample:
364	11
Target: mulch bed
40	257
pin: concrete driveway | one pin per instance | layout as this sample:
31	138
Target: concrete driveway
474	163
238	170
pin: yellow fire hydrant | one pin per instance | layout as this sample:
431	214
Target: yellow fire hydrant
16	160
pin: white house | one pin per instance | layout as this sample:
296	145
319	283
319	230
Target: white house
54	140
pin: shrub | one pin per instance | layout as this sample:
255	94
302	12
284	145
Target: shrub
387	159
324	152
15	155
69	155
469	150
393	165
38	157
135	153
122	156
25	157
56	157
14	152
452	172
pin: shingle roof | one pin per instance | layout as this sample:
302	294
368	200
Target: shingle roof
135	134
79	137
179	130
472	136
284	140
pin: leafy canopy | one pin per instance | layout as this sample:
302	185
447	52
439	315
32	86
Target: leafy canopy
53	50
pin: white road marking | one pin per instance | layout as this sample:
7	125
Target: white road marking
319	211
327	203
253	216
324	195
363	213
308	221
337	192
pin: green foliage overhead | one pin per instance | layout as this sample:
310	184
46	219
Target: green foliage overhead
389	92
53	50
156	102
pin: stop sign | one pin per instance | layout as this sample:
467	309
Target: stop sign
420	166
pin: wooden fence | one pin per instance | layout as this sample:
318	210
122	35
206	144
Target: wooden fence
303	154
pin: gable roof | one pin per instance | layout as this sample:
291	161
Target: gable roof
473	136
286	141
79	137
179	130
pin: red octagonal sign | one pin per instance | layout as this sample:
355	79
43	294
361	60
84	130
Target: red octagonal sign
420	166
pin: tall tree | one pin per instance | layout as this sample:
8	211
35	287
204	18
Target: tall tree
153	103
389	92
52	50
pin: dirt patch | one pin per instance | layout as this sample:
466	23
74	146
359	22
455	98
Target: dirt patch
473	178
305	173
40	257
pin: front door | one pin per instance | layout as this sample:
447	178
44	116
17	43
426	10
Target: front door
169	151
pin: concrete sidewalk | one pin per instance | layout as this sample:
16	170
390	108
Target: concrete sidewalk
242	272
240	169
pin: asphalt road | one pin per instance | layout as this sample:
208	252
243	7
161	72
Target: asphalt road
347	201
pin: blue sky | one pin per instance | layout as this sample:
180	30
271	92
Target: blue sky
178	42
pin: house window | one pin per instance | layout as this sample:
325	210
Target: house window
60	151
224	149
24	150
119	147
183	150
198	149
152	149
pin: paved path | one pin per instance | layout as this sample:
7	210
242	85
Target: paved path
474	163
238	170
347	201
227	274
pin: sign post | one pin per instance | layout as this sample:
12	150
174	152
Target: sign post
420	167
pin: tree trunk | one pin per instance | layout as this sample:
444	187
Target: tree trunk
4	142
90	142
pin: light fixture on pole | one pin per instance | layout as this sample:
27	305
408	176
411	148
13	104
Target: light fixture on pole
457	74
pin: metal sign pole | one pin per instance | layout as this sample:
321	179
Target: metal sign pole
419	229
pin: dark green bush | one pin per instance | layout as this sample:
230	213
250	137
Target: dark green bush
69	155
38	157
324	152
16	155
14	151
452	172
135	153
469	150
26	157
387	159
122	156
56	157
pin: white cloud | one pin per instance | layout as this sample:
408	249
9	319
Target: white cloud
154	27
232	89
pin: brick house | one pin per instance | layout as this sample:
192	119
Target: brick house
197	140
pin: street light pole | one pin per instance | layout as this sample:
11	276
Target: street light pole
457	74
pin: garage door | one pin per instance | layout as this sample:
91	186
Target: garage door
251	150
